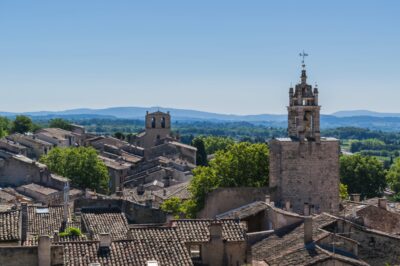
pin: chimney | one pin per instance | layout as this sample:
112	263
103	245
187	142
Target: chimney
287	205
119	193
24	221
44	254
267	199
66	202
382	203
105	240
215	230
308	230
56	237
355	197
306	209
105	243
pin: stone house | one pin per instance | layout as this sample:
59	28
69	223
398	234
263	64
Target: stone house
35	147
58	137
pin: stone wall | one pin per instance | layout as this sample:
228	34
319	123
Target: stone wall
305	173
376	248
380	219
224	199
17	171
135	213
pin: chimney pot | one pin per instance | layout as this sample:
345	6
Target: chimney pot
287	205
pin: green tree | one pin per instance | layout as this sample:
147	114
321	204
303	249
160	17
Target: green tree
81	165
241	165
343	191
363	174
22	124
60	123
119	135
393	176
172	205
5	126
201	155
214	143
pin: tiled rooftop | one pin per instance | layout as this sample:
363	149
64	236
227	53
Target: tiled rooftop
111	221
244	211
197	230
127	252
44	223
9	226
292	240
38	188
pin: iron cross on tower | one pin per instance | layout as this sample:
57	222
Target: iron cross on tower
303	54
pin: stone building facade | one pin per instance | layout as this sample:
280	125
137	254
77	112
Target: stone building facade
304	168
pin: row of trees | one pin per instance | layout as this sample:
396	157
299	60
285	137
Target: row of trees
23	124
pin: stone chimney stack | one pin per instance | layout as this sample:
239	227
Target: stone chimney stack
24	221
306	209
105	240
287	205
215	230
308	230
355	197
382	203
66	202
44	251
267	199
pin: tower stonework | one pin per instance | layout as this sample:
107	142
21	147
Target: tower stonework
158	127
304	168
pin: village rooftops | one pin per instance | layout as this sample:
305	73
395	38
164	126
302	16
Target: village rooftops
56	133
112	221
127	252
38	189
44	220
9	226
116	165
196	230
286	247
244	211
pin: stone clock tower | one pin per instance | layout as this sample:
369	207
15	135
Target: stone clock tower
304	167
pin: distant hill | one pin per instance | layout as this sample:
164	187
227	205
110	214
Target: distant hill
364	113
355	118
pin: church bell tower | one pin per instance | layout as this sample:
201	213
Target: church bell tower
303	110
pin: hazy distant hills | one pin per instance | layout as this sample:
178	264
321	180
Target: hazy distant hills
356	118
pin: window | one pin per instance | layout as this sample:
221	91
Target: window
163	122
153	122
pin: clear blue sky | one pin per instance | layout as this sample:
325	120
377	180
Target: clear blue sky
220	56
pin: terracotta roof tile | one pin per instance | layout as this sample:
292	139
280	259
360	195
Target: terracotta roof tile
106	220
197	230
9	226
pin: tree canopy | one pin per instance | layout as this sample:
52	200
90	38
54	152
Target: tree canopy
60	123
81	165
363	174
5	126
22	124
241	165
201	155
393	176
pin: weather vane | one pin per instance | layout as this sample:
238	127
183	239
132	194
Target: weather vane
303	54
